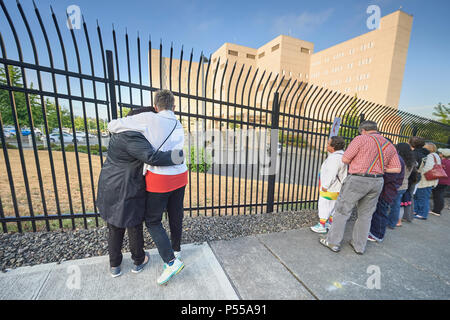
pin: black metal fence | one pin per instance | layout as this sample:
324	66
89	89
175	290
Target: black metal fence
255	140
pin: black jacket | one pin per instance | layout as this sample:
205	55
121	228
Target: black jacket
121	185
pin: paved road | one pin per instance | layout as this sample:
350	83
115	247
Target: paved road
412	263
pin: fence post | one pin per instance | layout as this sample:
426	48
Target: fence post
112	87
273	146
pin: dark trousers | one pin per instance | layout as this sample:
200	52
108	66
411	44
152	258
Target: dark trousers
438	198
136	242
380	219
156	204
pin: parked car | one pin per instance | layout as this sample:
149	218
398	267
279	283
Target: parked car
25	132
82	134
10	129
37	132
67	138
7	133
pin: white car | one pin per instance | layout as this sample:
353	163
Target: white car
7	133
82	134
67	138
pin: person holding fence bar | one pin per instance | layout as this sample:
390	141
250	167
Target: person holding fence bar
369	155
121	194
165	185
332	173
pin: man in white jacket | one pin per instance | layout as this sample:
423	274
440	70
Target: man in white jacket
332	173
165	185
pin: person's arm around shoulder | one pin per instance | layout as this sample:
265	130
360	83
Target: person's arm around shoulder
139	147
140	120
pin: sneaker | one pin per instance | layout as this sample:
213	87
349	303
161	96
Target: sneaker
328	226
170	271
139	268
436	214
372	238
319	228
332	247
177	254
419	217
115	271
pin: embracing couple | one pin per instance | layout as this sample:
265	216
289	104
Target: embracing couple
144	175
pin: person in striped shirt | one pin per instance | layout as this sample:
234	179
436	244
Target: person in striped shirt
369	156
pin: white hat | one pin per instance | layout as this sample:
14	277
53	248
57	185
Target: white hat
444	152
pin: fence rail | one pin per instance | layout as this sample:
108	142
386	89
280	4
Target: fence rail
49	175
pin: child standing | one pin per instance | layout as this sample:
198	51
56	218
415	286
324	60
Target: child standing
332	174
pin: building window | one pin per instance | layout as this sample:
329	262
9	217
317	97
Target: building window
275	47
304	50
262	54
251	56
232	53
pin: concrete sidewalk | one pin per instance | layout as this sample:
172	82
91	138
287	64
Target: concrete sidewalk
412	263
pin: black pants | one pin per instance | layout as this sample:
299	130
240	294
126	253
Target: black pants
136	242
438	198
156	204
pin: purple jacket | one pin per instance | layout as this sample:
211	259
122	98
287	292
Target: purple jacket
446	166
392	181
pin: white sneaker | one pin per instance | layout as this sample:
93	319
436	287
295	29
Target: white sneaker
319	228
177	254
170	271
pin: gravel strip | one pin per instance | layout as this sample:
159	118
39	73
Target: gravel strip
33	248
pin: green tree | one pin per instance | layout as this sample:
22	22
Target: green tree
350	120
442	113
20	101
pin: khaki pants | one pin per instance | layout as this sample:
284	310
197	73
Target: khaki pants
362	192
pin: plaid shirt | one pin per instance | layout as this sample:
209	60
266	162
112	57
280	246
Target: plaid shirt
363	150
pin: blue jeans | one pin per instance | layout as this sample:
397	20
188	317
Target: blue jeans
422	201
380	219
394	213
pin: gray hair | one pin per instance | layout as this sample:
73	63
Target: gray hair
164	99
367	126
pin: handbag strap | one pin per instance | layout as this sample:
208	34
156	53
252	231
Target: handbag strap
174	127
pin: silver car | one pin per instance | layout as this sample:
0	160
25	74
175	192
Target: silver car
67	138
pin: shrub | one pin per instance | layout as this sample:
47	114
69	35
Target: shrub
204	161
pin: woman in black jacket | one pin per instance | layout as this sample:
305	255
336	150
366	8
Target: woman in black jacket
121	194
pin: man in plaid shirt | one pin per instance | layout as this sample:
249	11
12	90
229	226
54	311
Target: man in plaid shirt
369	156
